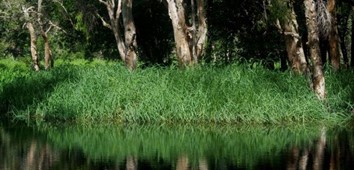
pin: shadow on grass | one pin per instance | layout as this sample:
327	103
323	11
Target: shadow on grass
25	92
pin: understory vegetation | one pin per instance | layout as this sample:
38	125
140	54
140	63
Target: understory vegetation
87	92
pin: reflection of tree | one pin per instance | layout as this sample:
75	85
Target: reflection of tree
320	146
182	163
293	158
30	156
297	161
203	164
303	159
335	154
132	163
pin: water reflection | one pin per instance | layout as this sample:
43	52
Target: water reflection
180	148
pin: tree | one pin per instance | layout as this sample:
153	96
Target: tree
33	36
318	80
48	60
333	37
37	21
189	39
127	46
288	26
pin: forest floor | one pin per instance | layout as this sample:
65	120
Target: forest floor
89	92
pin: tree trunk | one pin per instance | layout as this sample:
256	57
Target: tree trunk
318	80
130	34
48	60
176	13
293	43
190	41
126	46
333	38
33	39
202	28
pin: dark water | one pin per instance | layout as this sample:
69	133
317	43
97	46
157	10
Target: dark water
175	147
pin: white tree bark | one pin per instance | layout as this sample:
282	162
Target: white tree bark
126	43
318	79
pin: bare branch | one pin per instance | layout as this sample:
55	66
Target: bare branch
50	27
104	2
104	22
65	10
113	3
119	8
55	26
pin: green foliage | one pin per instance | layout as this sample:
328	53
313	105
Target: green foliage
99	91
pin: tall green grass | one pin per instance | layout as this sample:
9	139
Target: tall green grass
98	91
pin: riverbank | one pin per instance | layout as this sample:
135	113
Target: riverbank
83	92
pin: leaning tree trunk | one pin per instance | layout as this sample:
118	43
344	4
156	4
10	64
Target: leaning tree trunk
293	43
126	46
48	60
318	80
33	39
333	38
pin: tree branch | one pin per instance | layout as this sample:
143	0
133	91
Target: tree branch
66	11
103	2
56	26
104	22
119	8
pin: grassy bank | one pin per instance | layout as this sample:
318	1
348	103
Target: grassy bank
98	91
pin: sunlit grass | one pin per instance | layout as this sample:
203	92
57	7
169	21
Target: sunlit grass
86	92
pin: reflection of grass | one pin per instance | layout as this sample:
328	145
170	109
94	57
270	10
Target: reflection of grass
240	146
97	91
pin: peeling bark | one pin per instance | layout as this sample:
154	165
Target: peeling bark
189	40
333	38
33	38
130	34
293	43
318	80
48	60
176	13
202	28
126	46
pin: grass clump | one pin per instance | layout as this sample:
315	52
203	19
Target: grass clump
106	92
